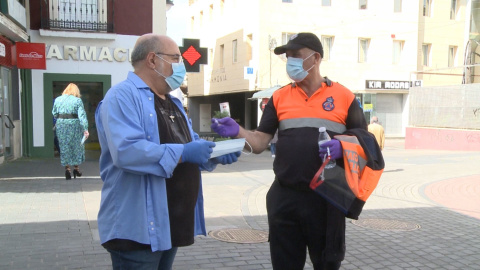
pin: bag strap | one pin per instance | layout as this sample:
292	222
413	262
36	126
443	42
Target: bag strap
316	180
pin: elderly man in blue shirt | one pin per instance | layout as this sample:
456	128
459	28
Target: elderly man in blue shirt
150	163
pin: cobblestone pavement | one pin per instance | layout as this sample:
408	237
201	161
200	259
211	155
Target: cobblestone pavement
424	214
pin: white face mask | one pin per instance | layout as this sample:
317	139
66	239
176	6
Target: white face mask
228	146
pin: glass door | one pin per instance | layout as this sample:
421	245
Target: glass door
91	94
2	127
6	122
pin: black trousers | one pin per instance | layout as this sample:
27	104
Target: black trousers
297	221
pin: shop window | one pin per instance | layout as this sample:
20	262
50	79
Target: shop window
426	54
397	51
397	6
427	8
452	55
327	42
362	4
222	52
453	10
363	45
234	51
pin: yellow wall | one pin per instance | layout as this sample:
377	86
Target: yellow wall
442	32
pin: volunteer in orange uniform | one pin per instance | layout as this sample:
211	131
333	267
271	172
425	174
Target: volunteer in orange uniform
298	217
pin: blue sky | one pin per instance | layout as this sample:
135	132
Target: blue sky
177	20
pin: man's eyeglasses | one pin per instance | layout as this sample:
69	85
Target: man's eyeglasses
177	57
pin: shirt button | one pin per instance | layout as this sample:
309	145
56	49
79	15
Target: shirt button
151	223
149	98
151	115
149	138
153	229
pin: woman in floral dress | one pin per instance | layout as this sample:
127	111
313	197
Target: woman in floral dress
71	126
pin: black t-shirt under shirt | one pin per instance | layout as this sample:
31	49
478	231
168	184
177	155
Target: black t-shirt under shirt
182	187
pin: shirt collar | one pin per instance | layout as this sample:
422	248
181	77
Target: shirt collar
137	81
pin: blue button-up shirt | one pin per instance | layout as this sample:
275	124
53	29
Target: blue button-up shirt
134	165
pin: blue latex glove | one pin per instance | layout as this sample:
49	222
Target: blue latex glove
227	159
197	151
225	127
336	150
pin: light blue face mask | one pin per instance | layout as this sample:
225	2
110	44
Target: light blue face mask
178	75
295	68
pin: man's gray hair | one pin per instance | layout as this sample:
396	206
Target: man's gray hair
144	47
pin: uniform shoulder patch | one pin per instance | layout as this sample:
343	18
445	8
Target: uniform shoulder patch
328	104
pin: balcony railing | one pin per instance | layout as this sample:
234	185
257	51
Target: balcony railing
79	15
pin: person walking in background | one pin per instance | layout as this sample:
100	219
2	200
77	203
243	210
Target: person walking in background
299	219
273	144
150	162
70	126
377	130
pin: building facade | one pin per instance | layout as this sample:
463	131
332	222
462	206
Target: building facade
88	42
378	49
13	23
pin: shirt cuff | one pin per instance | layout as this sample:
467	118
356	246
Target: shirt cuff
170	158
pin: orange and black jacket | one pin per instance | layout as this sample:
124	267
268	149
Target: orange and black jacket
349	189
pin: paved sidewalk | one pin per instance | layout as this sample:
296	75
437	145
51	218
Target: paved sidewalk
425	214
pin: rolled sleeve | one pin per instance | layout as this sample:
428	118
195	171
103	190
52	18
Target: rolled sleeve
170	159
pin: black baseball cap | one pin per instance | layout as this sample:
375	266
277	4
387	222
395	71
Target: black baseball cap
301	40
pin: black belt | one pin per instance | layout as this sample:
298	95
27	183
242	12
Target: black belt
68	116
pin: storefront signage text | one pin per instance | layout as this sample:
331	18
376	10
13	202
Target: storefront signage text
88	53
30	55
218	75
374	84
387	84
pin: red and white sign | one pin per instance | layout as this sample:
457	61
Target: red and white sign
31	55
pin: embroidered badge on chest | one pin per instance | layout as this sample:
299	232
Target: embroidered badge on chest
328	104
